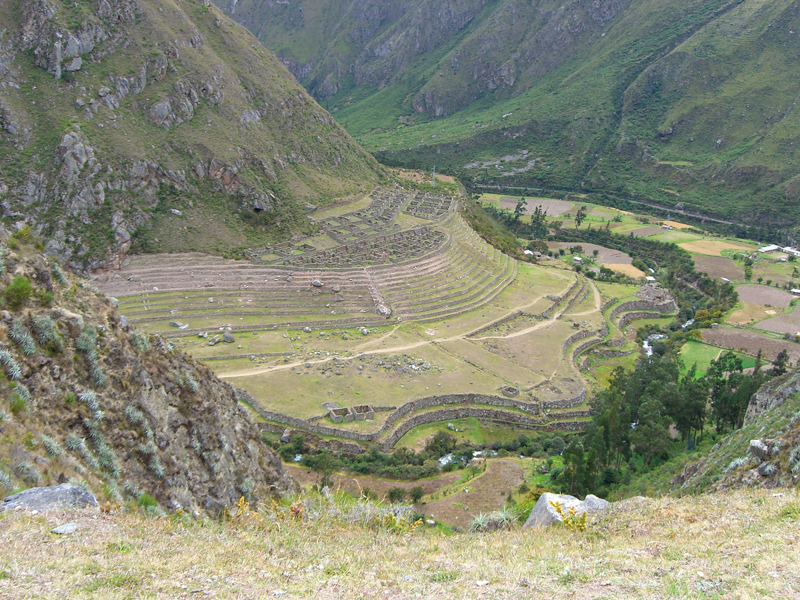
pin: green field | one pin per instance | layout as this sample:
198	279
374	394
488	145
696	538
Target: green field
702	354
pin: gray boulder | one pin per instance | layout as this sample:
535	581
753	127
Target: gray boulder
43	499
228	338
758	449
543	514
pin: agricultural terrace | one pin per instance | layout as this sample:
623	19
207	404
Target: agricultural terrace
396	303
767	316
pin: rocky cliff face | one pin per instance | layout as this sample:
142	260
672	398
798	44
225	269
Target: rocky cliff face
103	102
85	398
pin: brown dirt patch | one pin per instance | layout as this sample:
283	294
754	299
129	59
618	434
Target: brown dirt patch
645	231
713	247
554	208
605	256
750	341
784	323
628	270
355	484
718	266
486	493
766	296
676	225
750	313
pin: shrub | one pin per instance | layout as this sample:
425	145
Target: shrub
22	338
147	501
5	480
58	274
12	368
140	341
18	292
18	404
27	472
416	493
47	334
51	446
735	464
396	494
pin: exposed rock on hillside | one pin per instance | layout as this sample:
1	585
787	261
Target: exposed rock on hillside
102	103
88	400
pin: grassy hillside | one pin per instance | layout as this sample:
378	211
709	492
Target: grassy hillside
686	105
113	114
741	544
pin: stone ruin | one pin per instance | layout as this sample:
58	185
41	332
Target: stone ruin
362	412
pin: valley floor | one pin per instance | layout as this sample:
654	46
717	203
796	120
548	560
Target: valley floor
743	544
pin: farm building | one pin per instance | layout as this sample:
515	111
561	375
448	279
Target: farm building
770	248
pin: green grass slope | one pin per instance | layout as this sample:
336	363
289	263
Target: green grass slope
113	113
688	104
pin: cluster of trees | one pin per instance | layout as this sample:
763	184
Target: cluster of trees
640	411
407	464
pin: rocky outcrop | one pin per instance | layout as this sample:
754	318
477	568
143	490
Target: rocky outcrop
134	75
544	514
123	413
772	394
43	499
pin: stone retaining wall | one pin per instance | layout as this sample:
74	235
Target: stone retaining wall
567	402
632	316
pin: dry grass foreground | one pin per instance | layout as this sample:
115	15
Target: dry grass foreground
741	545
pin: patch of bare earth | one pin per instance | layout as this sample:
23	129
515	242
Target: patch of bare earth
605	256
718	266
484	494
645	231
784	323
357	484
765	295
750	342
554	208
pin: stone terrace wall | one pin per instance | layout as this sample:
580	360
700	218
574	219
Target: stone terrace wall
632	316
576	400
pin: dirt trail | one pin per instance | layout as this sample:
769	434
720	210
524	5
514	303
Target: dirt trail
411	346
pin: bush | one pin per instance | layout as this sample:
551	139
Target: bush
18	404
22	338
47	334
396	494
18	292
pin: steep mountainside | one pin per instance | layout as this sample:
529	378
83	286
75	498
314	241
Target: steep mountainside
680	103
85	398
113	112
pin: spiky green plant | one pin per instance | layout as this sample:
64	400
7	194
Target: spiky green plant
12	368
58	274
140	341
47	333
51	446
5	480
89	398
22	338
27	472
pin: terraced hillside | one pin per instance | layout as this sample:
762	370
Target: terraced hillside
426	333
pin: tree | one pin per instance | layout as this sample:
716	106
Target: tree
324	464
538	223
574	466
416	493
519	209
651	435
580	217
780	363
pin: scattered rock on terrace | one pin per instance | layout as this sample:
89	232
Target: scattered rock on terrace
228	338
543	514
43	499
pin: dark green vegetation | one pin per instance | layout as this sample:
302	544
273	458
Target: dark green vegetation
161	126
408	464
686	105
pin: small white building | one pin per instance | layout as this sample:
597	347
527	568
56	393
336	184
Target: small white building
648	278
770	248
577	260
796	292
791	250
